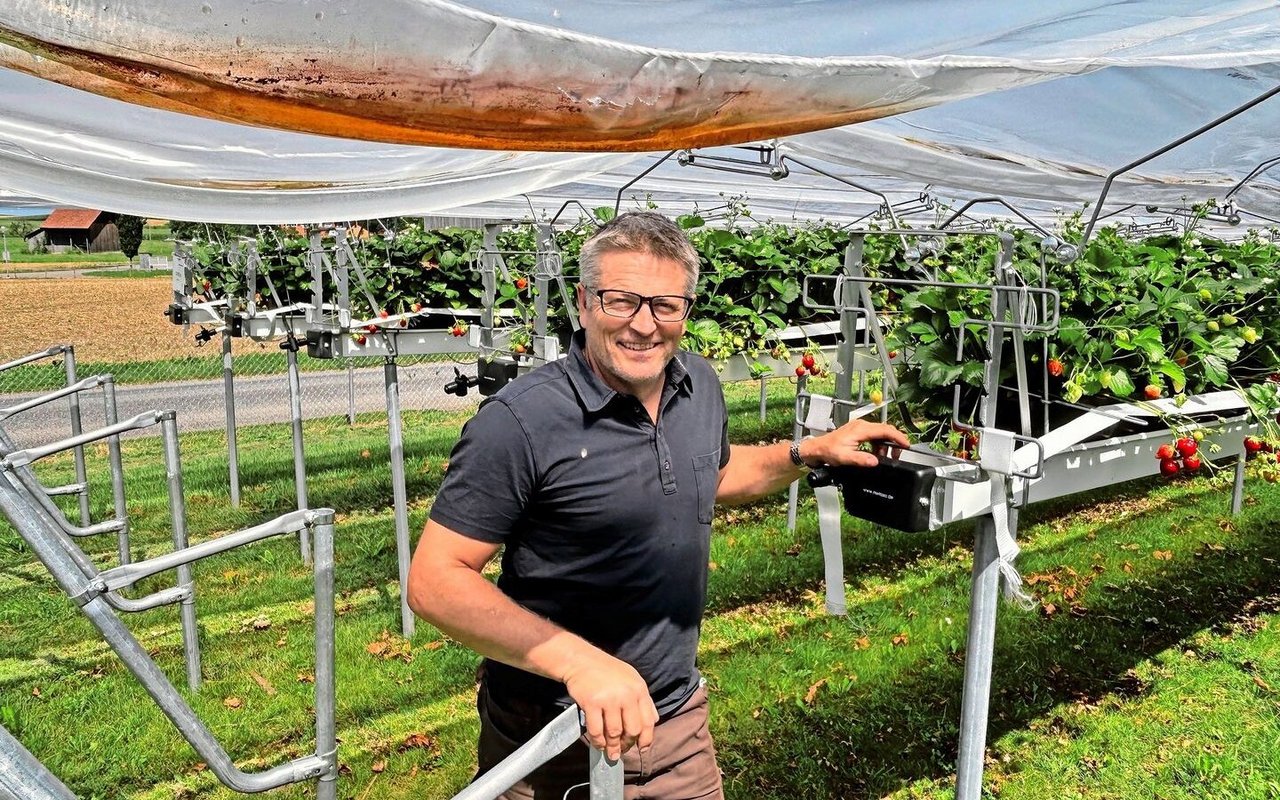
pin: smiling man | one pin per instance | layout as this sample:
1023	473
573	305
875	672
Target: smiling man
598	475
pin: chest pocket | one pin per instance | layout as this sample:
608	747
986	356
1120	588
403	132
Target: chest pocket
706	474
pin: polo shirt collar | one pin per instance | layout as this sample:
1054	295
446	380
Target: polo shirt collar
594	393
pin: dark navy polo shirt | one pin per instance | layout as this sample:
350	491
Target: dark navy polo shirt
605	517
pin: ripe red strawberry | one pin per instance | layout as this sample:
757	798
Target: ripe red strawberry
383	313
1169	467
371	328
893	354
1165	452
815	370
1152	391
1252	445
456	330
1191	462
1186	446
361	338
1055	368
808	360
800	372
521	283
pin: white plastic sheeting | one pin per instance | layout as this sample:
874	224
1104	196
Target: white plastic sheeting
1032	102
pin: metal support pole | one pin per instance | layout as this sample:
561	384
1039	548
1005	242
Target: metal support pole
351	392
847	302
399	495
73	404
326	731
1237	489
976	701
178	512
605	776
229	403
117	468
764	399
23	777
797	430
290	347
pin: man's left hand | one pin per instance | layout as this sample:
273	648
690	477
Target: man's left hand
846	444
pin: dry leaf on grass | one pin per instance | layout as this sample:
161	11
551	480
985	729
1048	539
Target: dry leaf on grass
419	741
264	684
232	702
812	695
388	646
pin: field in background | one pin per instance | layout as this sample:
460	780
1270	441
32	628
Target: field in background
107	319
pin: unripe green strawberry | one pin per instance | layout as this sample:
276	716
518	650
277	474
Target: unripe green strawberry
1227	320
1212	325
1249	335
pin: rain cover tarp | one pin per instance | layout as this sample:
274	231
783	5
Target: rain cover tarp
1027	100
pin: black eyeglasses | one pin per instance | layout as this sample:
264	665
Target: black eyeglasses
664	307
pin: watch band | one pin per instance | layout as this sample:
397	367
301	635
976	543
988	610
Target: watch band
795	454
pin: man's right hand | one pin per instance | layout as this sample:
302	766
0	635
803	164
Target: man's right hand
615	702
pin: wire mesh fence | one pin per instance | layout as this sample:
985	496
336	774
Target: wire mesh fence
116	327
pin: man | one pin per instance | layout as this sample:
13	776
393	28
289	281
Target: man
599	473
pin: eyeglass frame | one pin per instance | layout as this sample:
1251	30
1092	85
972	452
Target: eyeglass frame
643	300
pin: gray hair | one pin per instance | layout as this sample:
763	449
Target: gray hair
639	232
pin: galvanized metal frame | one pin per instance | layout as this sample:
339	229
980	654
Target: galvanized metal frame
68	353
89	589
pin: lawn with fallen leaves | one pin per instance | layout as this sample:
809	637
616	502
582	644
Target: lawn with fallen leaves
1148	666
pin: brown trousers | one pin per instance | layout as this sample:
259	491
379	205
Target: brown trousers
680	765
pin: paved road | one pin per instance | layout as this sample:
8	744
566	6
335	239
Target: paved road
77	271
258	400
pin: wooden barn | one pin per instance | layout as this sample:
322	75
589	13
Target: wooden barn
76	229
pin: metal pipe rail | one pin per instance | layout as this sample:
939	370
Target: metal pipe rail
88	591
22	458
23	777
55	517
52	352
120	523
604	776
184	593
81	486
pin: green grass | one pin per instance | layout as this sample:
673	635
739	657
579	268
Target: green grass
156	244
1156	676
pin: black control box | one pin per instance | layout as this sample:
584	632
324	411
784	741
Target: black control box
494	373
320	344
896	492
